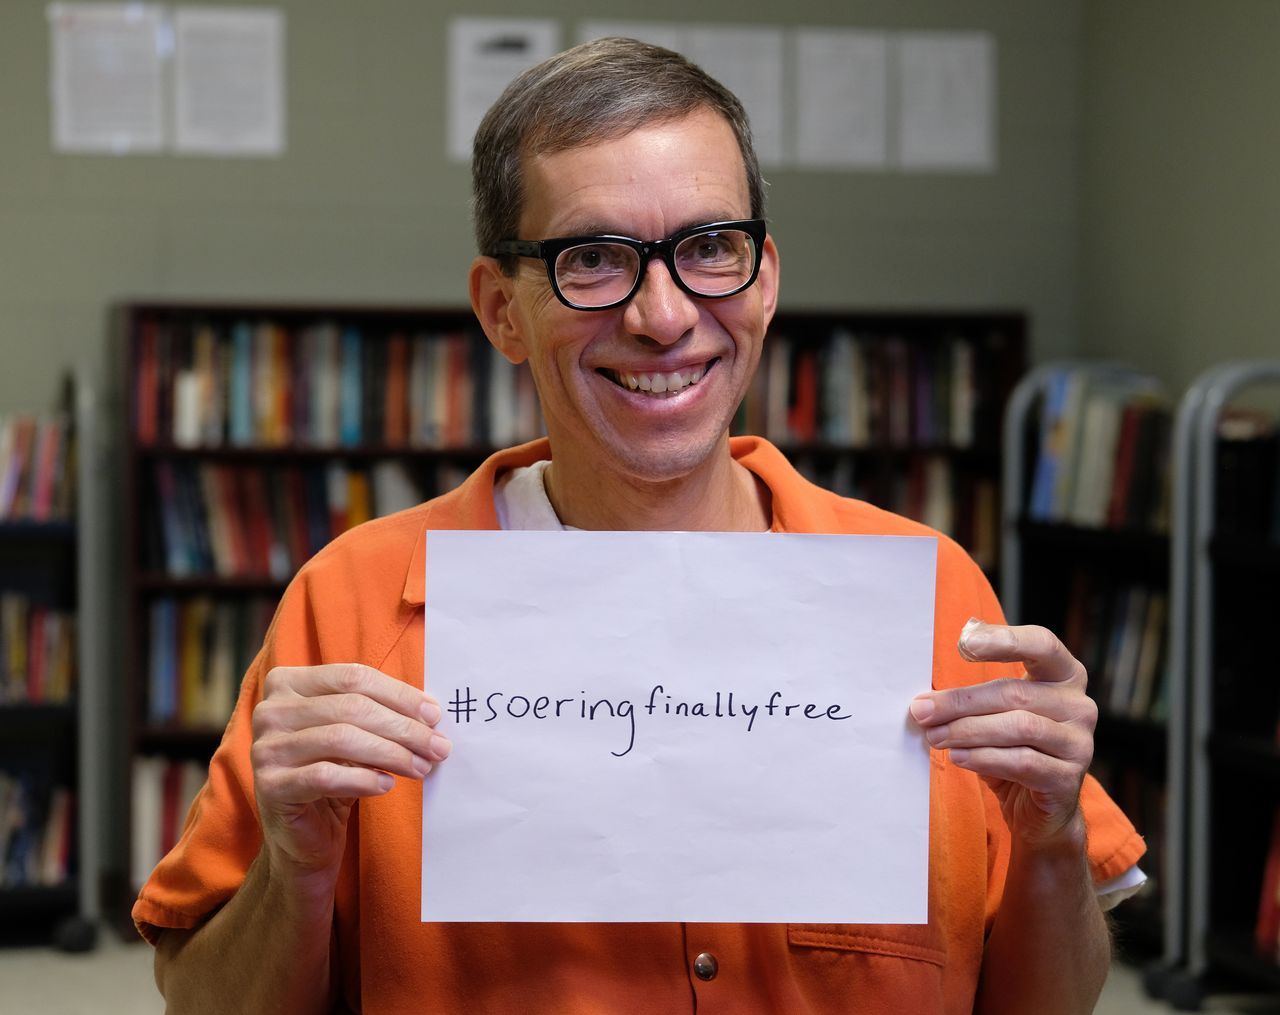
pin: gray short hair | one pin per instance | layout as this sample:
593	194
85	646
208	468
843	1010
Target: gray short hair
594	92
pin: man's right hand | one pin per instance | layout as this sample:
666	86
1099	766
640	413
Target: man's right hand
324	736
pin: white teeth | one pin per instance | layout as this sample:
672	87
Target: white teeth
660	383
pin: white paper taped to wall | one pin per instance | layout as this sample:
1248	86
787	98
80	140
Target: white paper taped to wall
107	77
229	81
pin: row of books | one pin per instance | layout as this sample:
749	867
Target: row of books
928	488
259	383
1103	455
37	468
37	823
163	791
37	652
197	652
245	520
870	391
1118	632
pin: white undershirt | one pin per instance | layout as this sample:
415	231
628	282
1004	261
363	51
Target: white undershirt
520	497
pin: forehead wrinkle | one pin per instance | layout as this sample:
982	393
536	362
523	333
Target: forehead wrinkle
602	190
598	228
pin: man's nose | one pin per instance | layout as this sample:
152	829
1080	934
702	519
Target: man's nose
660	309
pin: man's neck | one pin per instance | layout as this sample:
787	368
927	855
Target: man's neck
722	496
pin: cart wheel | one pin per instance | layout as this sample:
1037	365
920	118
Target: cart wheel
1184	991
75	934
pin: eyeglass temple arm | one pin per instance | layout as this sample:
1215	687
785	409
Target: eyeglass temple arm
521	248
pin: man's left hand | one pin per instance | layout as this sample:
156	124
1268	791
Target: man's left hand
1030	739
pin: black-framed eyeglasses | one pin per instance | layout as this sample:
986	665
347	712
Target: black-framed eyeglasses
602	272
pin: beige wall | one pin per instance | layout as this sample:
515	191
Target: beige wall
1181	174
365	207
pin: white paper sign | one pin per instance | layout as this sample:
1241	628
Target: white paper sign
229	81
486	55
106	77
842	98
947	92
678	726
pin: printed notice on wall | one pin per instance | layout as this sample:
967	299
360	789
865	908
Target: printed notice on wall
947	93
107	77
663	726
486	55
842	98
228	81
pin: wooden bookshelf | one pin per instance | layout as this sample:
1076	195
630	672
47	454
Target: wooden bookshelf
954	370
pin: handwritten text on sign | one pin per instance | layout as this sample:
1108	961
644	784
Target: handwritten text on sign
678	726
501	705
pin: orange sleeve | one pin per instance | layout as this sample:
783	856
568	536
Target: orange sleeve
1114	844
344	605
221	837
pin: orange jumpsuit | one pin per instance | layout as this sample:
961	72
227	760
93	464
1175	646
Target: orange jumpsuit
361	600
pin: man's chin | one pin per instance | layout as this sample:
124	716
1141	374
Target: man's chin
662	463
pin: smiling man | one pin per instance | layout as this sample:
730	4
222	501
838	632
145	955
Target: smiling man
624	256
641	351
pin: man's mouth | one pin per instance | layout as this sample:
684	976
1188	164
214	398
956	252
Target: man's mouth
659	384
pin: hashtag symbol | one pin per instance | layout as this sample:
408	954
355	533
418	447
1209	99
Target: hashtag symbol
462	708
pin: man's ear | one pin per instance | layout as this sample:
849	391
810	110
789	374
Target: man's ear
491	292
768	278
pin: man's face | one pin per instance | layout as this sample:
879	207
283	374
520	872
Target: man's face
649	184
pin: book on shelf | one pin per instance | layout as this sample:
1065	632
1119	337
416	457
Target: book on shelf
865	391
1150	658
258	383
1117	631
1102	454
928	488
1266	930
37	468
233	520
1121	665
163	792
197	649
36	829
37	652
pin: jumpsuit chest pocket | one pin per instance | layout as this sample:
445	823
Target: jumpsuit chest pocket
920	942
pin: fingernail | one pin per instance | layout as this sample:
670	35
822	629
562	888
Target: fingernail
971	637
385	782
938	734
959	755
421	765
430	713
922	708
442	745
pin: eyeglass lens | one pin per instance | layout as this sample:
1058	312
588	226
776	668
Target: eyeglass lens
710	264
